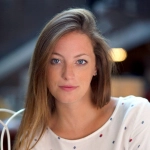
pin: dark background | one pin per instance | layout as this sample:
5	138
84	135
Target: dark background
124	23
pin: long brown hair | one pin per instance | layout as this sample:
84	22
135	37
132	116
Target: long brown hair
39	101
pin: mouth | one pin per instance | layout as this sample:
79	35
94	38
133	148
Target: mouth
68	88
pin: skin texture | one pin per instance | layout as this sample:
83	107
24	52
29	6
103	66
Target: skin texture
69	74
71	68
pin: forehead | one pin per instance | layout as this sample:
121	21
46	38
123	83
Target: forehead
74	40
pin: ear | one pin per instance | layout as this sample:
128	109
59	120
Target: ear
95	71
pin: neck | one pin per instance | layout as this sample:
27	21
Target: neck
79	119
73	114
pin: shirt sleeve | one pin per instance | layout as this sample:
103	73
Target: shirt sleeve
140	137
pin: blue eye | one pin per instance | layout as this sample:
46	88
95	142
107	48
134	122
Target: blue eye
55	61
81	61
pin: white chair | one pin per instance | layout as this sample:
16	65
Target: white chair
5	127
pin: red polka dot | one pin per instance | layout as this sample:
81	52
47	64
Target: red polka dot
101	135
130	140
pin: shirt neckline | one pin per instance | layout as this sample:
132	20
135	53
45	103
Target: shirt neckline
95	132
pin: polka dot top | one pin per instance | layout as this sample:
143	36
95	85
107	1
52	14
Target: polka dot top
128	128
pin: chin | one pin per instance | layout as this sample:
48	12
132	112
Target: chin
67	100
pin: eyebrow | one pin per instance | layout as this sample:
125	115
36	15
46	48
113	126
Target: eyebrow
74	56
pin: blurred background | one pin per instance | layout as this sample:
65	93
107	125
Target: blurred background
124	23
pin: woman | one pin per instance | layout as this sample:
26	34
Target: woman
68	103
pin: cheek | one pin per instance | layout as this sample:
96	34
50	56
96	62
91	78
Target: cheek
86	76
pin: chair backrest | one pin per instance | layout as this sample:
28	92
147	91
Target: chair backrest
5	127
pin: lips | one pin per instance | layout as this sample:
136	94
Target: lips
68	88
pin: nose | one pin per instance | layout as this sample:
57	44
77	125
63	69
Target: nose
68	72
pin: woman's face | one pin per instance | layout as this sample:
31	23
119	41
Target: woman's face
71	68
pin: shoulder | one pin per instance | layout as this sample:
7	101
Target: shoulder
135	103
132	108
135	99
136	120
46	141
134	111
131	101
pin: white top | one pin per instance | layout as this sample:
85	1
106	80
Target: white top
127	129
